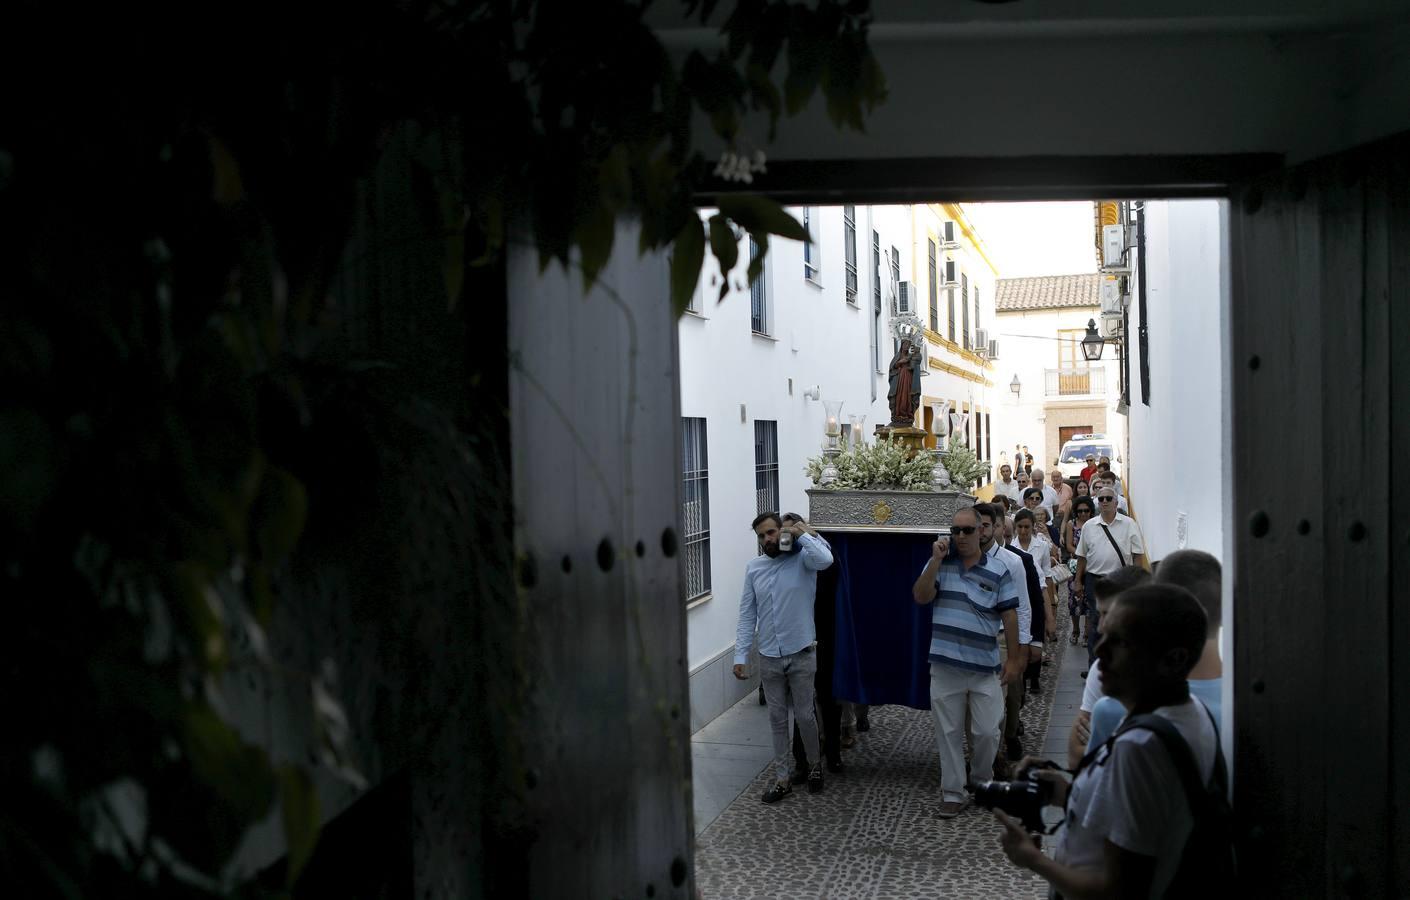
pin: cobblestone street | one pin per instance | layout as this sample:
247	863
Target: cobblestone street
873	832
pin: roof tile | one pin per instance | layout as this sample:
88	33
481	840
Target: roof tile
1048	292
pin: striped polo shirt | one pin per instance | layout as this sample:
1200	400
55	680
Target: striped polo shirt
964	622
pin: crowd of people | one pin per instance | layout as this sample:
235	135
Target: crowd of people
1144	770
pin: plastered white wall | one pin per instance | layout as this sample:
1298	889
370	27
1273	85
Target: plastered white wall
1028	347
817	337
1178	462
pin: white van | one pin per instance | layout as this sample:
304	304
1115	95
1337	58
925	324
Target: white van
1073	458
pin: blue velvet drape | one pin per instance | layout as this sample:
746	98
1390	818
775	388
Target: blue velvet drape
882	635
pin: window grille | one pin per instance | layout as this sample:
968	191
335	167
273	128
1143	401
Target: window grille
935	297
695	507
811	260
964	307
766	465
849	244
758	295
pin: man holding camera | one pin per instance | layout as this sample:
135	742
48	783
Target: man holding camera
779	589
1127	814
974	596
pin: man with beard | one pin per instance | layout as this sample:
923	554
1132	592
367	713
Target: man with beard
779	589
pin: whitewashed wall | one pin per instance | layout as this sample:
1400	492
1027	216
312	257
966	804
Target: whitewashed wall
938	384
1178	461
816	338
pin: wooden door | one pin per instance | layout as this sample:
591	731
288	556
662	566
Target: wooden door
1320	372
1065	433
598	540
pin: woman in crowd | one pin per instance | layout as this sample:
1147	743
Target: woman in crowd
1083	509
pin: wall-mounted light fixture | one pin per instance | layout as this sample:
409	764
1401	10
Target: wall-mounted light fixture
1014	385
1093	343
813	393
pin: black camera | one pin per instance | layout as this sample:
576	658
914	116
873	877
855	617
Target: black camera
1023	798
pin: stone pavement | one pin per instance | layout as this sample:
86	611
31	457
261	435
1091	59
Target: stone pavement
873	832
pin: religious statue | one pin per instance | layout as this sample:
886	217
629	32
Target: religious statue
904	395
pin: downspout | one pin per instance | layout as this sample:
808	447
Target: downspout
875	302
1143	335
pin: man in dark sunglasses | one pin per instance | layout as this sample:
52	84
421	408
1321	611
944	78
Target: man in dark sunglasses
973	597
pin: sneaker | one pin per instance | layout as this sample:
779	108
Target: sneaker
951	808
778	792
815	780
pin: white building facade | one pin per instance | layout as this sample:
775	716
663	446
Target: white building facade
954	282
1178	396
1059	393
818	318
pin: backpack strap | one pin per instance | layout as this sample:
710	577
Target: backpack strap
1196	791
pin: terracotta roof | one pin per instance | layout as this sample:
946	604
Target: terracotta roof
1047	292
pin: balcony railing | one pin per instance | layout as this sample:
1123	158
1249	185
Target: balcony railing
1074	382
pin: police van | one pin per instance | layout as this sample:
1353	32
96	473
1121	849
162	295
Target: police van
1073	457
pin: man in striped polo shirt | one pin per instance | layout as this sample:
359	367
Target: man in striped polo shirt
974	596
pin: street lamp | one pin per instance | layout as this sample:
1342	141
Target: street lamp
1092	344
1014	385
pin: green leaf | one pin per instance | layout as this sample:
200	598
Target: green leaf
453	219
723	244
280	514
595	235
761	215
686	260
756	265
299	805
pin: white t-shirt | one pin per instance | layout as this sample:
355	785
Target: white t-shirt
1133	797
1041	552
1097	550
1092	689
1050	502
1010	490
1020	577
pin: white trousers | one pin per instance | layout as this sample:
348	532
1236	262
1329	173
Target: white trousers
952	689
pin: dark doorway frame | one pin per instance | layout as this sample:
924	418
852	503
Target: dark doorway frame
1359	205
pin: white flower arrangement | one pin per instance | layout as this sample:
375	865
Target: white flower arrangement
883	466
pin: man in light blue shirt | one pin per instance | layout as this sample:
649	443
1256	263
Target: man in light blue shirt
779	589
1199	573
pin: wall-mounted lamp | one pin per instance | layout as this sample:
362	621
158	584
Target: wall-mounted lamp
813	393
1093	343
1014	385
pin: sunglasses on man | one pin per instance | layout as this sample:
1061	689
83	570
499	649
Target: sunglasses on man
963	529
1106	499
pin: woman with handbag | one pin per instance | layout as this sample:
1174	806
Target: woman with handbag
1082	511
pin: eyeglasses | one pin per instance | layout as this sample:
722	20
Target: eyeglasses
1106	499
1084	512
963	529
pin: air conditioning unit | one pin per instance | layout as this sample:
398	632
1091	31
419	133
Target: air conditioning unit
905	299
1111	325
948	238
993	348
981	341
1111	295
951	274
1113	245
